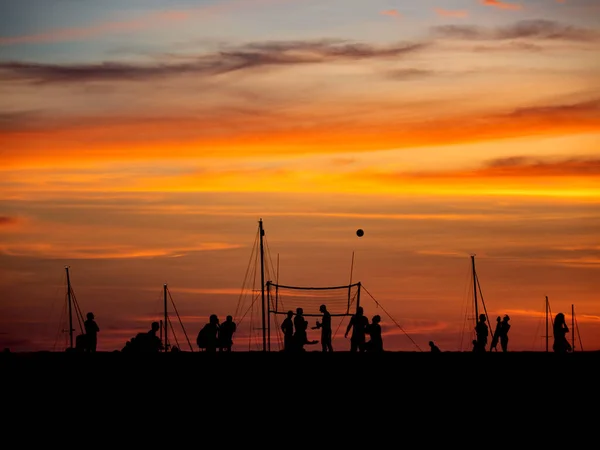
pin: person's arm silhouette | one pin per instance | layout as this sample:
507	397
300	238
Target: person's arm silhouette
349	327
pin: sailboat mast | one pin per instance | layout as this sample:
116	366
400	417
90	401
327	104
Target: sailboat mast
573	327
547	307
70	308
262	283
475	289
166	315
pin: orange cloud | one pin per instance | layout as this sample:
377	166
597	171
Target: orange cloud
234	136
501	5
6	221
449	13
391	12
512	176
58	250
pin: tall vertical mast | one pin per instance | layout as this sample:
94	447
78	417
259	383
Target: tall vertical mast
573	327
166	317
70	308
262	283
547	308
475	288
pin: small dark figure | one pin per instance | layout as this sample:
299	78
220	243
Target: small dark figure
496	335
287	326
80	343
358	324
375	343
482	332
434	348
153	343
504	327
91	333
208	336
145	342
560	329
226	331
300	337
325	326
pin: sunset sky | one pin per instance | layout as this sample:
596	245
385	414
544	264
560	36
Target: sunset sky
141	141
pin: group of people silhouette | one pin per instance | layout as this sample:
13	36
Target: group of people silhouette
559	328
295	336
216	336
500	334
212	337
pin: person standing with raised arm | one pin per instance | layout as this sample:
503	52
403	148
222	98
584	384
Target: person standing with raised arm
358	324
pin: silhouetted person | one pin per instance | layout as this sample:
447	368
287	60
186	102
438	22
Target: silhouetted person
375	343
287	327
560	329
482	332
208	336
226	331
496	335
358	324
434	348
145	342
504	327
300	326
153	343
91	333
325	326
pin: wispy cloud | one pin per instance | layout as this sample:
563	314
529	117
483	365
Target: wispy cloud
55	250
6	221
529	167
249	56
501	5
458	13
223	132
526	29
516	176
391	13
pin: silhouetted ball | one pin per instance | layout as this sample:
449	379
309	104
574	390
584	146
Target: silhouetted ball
360	232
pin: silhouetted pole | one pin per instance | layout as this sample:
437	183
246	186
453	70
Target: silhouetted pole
166	314
269	305
262	283
350	284
474	288
70	308
547	307
573	327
